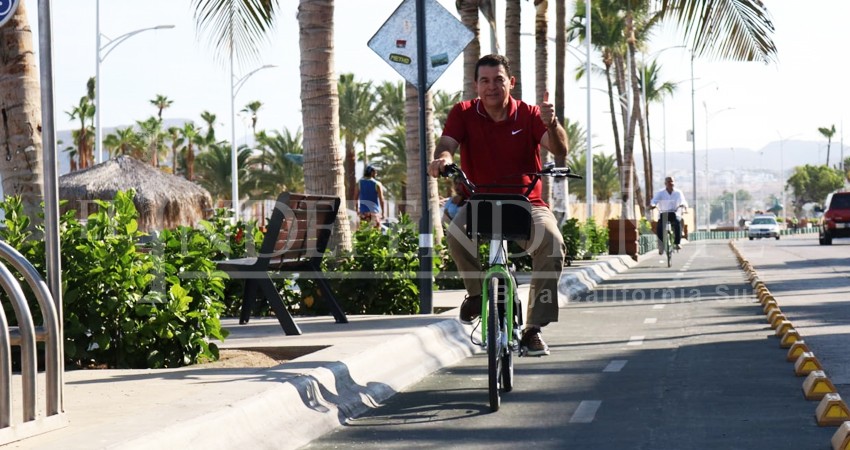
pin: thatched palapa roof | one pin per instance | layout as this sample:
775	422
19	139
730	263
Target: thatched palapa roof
163	200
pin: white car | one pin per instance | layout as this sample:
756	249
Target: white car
763	227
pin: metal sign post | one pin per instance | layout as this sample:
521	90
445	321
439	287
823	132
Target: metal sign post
419	40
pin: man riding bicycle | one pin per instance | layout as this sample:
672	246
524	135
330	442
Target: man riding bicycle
499	139
668	201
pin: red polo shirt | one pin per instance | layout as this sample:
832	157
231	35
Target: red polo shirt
499	152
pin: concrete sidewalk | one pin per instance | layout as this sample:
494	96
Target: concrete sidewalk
352	367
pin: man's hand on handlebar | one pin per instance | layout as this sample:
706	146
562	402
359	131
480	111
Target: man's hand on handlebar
438	165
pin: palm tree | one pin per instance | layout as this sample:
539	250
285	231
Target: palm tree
152	134
283	164
393	162
84	111
209	119
359	115
513	49
323	169
125	141
161	102
21	168
391	95
414	156
468	10
443	103
605	176
176	143
655	93
828	133
252	109
213	171
190	136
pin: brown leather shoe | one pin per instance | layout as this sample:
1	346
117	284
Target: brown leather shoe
532	344
470	309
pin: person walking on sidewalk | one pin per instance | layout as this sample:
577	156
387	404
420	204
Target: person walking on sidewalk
500	139
369	193
669	200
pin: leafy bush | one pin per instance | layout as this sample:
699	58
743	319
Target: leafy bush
379	275
129	308
586	240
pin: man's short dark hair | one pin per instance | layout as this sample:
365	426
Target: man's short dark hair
493	61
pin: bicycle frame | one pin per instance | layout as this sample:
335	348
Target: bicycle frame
498	268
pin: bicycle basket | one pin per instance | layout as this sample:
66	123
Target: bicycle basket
499	216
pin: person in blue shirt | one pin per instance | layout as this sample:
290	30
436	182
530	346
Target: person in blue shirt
369	193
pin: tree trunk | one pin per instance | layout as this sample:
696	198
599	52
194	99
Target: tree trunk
413	198
513	48
468	10
541	75
323	170
559	185
20	112
349	164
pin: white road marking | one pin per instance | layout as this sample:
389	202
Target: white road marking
649	320
657	306
636	340
615	365
586	411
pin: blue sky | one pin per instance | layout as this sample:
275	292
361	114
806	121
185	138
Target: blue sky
747	105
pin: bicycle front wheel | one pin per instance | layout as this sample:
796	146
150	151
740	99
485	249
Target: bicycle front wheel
669	248
494	344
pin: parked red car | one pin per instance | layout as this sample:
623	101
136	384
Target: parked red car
836	218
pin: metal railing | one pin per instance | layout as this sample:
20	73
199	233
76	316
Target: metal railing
25	335
648	241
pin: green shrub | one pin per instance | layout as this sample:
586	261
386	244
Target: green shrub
597	237
379	275
128	308
574	239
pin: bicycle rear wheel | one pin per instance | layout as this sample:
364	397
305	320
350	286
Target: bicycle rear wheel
494	346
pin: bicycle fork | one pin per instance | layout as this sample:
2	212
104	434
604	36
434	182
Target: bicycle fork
504	296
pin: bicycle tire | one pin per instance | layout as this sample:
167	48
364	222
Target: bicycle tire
494	347
507	354
669	248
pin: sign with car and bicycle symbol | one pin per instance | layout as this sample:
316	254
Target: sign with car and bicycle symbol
445	38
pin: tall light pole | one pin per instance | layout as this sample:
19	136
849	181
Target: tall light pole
693	145
235	86
707	189
108	47
782	172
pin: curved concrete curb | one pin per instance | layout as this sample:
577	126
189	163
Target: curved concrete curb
580	280
309	404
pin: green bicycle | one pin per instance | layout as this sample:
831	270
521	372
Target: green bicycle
510	219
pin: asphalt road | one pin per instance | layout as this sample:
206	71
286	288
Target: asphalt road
655	358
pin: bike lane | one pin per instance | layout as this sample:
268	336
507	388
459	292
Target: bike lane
654	358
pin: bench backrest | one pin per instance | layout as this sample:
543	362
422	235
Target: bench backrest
300	227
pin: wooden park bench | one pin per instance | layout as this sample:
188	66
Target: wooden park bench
296	238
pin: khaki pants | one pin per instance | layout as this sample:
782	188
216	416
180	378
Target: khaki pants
546	248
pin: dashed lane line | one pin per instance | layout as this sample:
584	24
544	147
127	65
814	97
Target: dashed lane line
615	365
586	411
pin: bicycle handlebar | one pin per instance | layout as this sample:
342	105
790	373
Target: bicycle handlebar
548	170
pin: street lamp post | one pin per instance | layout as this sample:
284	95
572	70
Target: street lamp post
782	172
708	117
108	47
693	145
235	86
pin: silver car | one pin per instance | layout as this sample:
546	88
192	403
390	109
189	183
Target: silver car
763	227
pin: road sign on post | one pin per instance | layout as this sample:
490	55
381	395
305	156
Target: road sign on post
395	42
7	10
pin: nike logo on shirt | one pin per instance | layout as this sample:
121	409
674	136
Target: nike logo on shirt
514	132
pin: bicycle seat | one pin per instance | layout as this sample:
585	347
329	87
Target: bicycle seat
499	216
